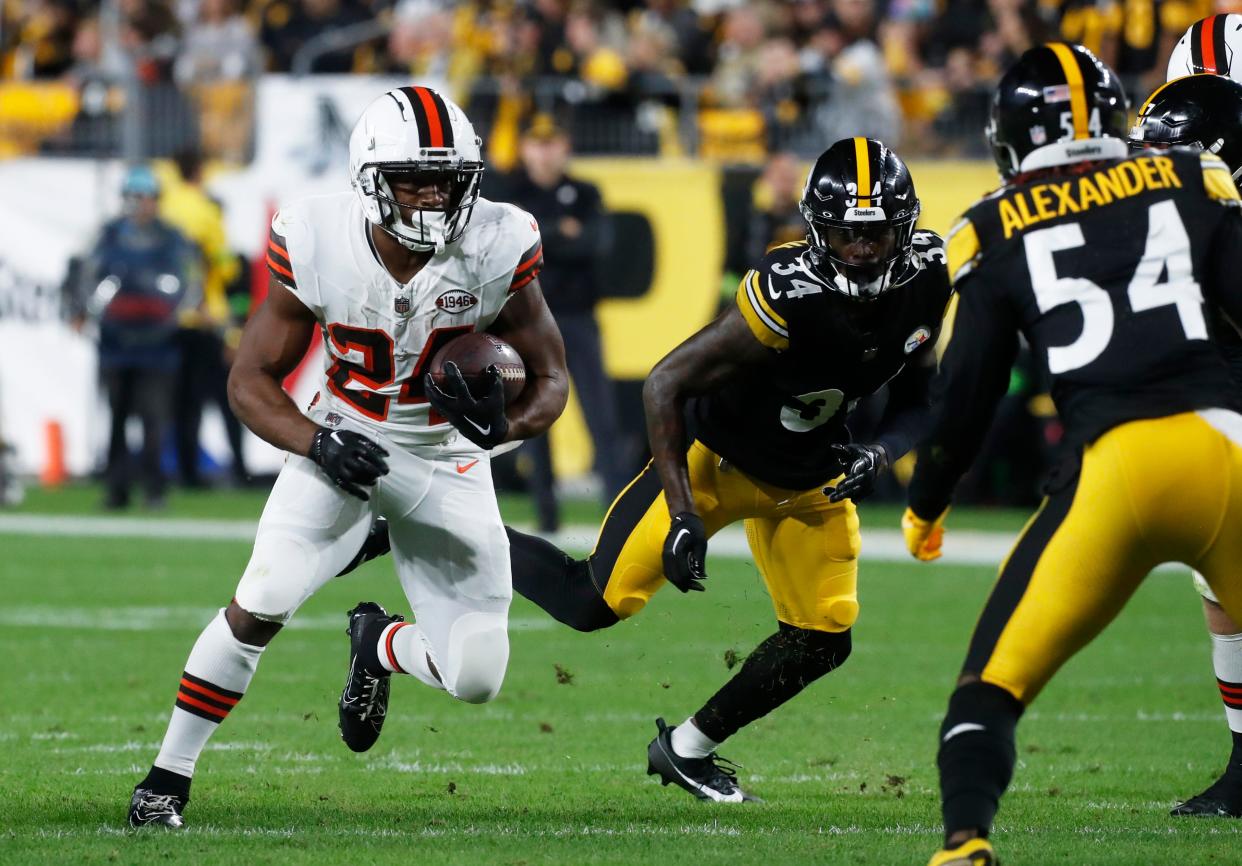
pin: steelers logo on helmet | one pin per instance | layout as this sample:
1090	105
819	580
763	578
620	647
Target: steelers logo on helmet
1202	112
415	164
860	207
1057	105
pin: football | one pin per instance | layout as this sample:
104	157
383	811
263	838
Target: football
473	353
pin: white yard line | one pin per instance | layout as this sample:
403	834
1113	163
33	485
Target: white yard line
879	544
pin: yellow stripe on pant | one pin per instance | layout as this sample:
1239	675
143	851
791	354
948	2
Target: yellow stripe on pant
1153	491
806	548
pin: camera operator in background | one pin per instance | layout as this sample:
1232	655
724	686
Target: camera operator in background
139	275
206	330
575	233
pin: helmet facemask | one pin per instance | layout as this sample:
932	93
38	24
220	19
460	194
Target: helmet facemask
861	258
416	227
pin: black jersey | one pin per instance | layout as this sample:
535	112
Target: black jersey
778	422
1112	274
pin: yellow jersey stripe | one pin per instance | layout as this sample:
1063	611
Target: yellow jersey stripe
1217	181
765	330
763	305
962	249
1073	77
863	157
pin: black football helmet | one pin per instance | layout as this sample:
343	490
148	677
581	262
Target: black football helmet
1199	111
1057	105
860	205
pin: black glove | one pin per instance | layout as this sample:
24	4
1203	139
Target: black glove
685	550
377	544
481	421
351	460
863	465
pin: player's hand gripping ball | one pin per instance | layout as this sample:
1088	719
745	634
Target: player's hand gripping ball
470	381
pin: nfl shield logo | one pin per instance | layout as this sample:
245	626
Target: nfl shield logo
1039	136
401	306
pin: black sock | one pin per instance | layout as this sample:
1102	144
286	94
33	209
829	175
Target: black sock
977	755
163	781
779	668
1235	758
557	582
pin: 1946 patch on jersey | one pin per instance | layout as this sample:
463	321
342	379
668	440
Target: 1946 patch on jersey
456	301
916	339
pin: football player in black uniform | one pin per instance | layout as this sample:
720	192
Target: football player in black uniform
747	422
1103	260
1204	112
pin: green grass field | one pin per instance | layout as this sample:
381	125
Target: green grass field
95	632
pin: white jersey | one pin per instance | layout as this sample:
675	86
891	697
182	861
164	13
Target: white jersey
380	335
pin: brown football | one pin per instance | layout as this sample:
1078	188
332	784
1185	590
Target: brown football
473	353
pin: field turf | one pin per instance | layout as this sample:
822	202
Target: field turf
94	633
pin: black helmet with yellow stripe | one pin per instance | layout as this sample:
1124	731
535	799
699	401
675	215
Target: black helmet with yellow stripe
860	204
1056	106
1202	111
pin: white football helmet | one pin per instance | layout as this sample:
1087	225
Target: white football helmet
1212	45
415	129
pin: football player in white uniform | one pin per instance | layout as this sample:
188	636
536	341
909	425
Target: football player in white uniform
390	272
1214	46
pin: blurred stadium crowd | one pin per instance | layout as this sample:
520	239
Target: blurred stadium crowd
757	88
725	79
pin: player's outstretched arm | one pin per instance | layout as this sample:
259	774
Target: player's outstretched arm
526	324
272	345
698	366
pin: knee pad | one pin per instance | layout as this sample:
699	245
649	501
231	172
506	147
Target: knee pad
478	654
280	576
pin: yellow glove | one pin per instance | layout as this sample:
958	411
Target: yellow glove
923	537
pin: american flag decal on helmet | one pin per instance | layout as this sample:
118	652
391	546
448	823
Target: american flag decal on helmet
427	109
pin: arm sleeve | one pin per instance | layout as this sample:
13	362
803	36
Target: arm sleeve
909	405
290	232
768	325
529	265
974	375
1221	285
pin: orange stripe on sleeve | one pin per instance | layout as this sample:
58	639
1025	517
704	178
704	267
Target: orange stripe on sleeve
279	268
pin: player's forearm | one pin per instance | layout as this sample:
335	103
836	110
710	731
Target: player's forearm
541	403
259	402
665	403
907	418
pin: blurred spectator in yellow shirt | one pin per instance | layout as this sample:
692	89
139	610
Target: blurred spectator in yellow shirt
207	335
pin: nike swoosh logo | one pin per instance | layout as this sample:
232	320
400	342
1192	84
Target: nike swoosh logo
486	431
462	470
681	533
773	292
963	728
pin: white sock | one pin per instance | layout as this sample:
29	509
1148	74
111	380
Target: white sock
690	742
1227	662
403	650
217	673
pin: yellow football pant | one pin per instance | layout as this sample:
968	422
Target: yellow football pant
1161	490
806	548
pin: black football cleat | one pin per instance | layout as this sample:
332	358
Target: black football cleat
711	778
1222	800
364	701
149	808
